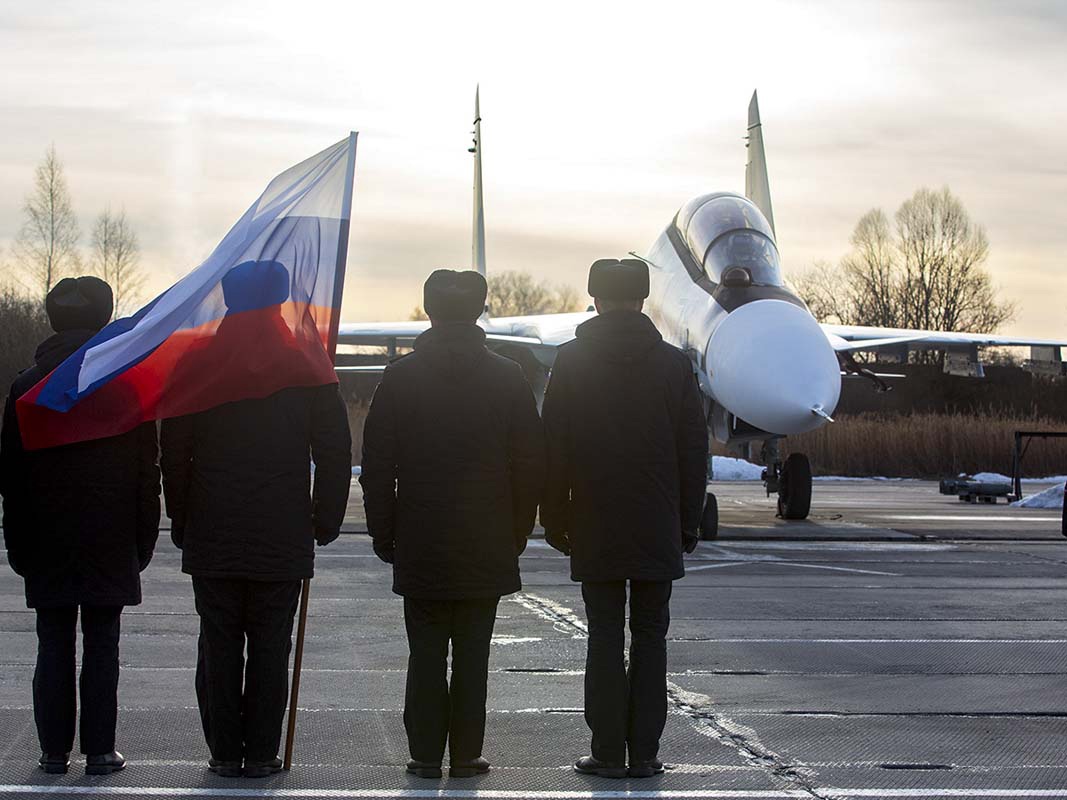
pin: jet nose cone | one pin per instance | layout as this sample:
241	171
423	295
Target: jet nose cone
770	364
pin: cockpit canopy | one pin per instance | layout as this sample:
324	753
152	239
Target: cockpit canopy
728	236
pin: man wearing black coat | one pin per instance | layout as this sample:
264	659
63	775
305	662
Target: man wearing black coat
80	524
238	485
627	468
453	465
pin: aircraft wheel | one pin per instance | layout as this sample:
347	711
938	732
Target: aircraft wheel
709	520
794	490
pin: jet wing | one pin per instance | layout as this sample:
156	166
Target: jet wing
846	338
540	332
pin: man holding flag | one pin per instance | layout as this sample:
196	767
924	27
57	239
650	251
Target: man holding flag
237	484
237	357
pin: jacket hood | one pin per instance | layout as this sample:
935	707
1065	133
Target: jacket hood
620	336
58	347
453	347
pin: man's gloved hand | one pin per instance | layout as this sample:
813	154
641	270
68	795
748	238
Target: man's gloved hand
385	551
690	540
323	536
559	541
177	534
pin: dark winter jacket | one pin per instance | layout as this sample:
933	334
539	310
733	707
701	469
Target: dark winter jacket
627	450
237	481
81	520
453	467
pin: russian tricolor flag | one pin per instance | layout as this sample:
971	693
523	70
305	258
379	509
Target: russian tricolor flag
259	315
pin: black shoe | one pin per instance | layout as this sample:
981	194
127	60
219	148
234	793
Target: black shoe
225	769
646	768
54	763
424	769
587	765
262	769
105	764
468	769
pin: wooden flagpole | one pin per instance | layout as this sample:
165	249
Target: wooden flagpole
335	321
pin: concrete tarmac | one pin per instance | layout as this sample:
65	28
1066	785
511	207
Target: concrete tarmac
897	644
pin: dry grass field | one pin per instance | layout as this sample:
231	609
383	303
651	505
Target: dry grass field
929	445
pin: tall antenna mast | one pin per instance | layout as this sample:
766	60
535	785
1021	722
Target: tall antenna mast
478	249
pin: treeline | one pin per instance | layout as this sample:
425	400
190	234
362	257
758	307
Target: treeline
49	244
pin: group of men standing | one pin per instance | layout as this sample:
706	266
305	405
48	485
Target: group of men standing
456	461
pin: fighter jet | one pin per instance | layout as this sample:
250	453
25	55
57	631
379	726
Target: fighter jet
766	367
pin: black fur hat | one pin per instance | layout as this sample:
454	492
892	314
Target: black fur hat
615	279
454	296
83	304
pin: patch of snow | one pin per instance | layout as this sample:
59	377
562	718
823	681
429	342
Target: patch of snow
996	477
1052	497
725	468
988	477
846	478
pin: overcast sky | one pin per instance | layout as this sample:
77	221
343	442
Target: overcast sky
599	121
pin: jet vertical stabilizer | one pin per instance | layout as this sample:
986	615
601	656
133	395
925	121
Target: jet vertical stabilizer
757	186
478	249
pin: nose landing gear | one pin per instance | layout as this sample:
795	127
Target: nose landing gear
794	487
791	480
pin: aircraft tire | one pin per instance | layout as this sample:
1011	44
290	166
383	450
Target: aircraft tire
794	492
709	519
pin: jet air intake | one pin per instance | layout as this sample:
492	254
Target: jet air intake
770	364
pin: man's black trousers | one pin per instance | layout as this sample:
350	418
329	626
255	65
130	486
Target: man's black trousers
242	704
55	699
626	707
436	710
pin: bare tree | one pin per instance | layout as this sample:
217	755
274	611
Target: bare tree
116	259
943	283
870	281
514	294
927	272
46	245
822	288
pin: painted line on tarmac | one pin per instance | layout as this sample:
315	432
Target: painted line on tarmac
961	518
521	794
870	641
882	793
773	563
481	794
